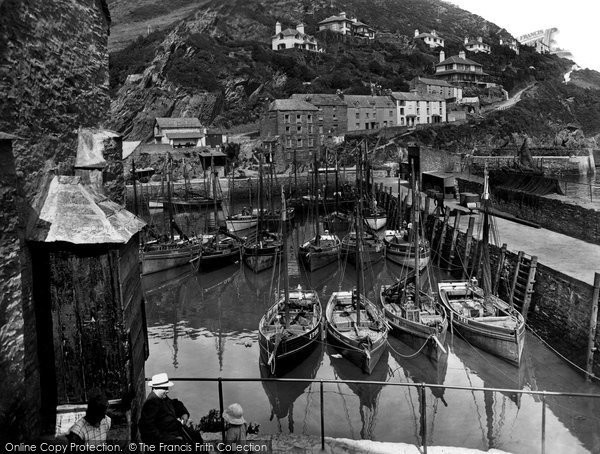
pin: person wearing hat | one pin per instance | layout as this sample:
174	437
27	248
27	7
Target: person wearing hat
235	424
162	418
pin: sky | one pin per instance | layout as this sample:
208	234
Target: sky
576	20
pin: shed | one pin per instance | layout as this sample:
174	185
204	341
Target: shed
439	182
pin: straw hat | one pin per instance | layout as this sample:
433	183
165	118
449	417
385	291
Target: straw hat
160	381
234	414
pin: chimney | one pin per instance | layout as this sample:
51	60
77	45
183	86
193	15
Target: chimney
99	162
466	39
277	27
442	56
462	54
501	42
343	15
480	39
416	32
300	27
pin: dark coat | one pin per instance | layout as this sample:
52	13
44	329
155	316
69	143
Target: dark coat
159	420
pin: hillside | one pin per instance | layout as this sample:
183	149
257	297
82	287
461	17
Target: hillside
217	64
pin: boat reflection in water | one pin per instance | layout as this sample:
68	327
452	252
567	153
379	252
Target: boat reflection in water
368	394
283	395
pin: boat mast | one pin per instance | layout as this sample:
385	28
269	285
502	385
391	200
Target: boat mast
214	190
316	201
284	261
337	194
415	232
358	244
169	204
135	198
485	253
260	191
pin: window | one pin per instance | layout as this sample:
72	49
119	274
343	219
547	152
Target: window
335	127
287	129
367	114
311	142
299	142
299	129
309	118
385	124
298	118
310	129
401	110
334	116
320	117
286	118
288	142
391	113
357	125
402	121
357	115
321	129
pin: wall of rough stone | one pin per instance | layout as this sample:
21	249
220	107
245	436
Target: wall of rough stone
553	212
53	78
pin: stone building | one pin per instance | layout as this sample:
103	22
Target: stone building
424	85
459	70
180	132
332	117
370	112
432	39
294	122
414	108
293	39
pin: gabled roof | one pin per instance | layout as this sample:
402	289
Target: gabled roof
457	59
75	213
431	35
413	96
437	82
184	135
365	101
474	42
294	32
182	122
320	99
291	104
335	19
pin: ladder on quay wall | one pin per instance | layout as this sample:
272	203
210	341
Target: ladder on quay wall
523	280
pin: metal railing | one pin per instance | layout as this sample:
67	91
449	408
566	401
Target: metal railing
421	387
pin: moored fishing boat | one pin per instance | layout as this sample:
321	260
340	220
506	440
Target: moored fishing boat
261	251
372	248
158	256
399	249
241	221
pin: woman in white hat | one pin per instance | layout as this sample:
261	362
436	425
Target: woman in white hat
235	424
162	418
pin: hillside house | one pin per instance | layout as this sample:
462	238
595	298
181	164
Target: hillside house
423	85
179	132
459	70
332	118
294	121
477	45
511	44
419	108
432	39
370	112
347	26
293	39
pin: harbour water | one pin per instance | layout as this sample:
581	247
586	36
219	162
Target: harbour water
205	325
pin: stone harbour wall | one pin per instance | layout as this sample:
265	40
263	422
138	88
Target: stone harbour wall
54	79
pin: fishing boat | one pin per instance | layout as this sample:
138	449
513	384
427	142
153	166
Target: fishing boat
399	244
482	318
323	248
291	327
355	325
375	217
263	248
372	248
244	220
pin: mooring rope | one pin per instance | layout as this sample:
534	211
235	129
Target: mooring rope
414	354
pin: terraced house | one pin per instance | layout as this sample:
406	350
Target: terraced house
292	121
370	112
415	108
332	117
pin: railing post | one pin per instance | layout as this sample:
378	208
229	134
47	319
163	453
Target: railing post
221	408
322	418
543	422
423	417
593	322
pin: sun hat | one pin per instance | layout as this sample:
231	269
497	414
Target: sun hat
234	414
160	381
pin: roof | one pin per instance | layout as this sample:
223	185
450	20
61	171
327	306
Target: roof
458	71
457	59
185	135
129	147
473	42
440	83
412	96
291	104
182	122
294	32
90	148
320	99
210	152
365	101
75	213
425	35
335	19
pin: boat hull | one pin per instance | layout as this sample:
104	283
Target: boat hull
317	256
506	343
241	223
219	258
368	254
154	261
375	223
406	257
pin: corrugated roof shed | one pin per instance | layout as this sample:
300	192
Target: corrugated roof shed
320	99
291	104
74	213
183	122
